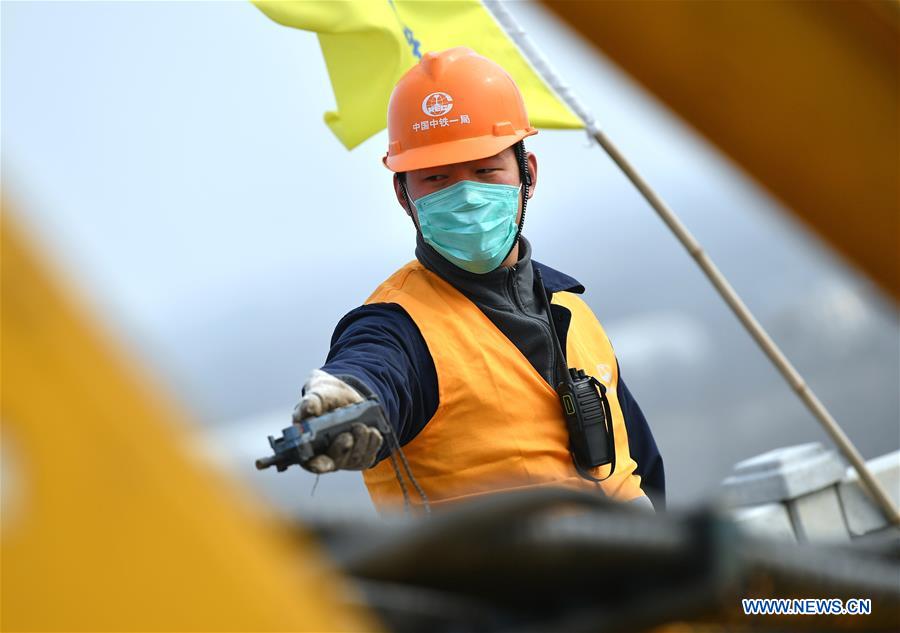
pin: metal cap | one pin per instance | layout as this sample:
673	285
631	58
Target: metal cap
783	473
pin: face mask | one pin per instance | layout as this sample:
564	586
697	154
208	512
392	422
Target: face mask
471	224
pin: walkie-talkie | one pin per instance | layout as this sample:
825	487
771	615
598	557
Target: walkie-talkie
585	406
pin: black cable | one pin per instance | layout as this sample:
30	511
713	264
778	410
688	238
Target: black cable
399	476
396	448
525	179
425	504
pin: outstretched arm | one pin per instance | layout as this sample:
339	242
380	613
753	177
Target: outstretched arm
378	350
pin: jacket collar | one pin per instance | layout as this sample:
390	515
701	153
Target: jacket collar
487	288
555	281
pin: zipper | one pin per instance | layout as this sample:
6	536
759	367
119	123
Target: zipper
513	291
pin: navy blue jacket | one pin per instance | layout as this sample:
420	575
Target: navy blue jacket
379	350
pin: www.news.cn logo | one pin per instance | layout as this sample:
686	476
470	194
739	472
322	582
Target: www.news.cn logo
806	606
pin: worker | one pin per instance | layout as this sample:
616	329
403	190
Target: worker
457	345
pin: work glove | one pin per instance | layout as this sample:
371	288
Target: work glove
352	450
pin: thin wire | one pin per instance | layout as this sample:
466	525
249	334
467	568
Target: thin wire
425	504
397	449
399	475
542	66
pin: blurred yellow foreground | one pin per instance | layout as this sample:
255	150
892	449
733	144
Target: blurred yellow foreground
106	525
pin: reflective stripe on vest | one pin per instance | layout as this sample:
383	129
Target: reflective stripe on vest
498	425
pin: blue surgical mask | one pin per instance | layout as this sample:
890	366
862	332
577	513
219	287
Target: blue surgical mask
471	224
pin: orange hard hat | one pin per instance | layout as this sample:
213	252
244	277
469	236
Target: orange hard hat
453	106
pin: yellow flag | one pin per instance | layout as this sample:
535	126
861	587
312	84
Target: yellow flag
369	44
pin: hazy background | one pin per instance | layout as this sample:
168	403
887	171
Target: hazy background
172	160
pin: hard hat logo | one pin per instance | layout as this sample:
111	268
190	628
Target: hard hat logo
437	104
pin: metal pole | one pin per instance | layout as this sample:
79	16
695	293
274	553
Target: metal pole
718	280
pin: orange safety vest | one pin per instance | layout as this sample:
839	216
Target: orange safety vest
498	425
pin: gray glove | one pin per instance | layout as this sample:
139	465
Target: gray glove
353	450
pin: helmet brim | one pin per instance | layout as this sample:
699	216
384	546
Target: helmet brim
458	151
